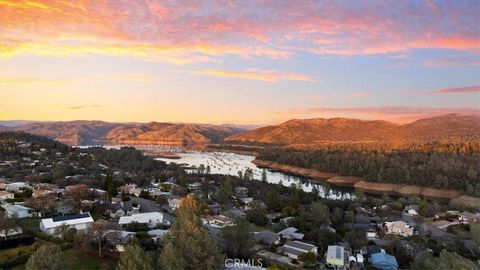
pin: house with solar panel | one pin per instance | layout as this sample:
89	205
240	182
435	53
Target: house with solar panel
50	226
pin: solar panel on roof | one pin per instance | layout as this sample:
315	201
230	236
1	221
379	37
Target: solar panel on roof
69	217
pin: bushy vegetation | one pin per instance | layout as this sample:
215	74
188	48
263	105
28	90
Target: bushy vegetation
455	166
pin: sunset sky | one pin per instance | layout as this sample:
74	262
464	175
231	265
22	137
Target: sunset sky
243	62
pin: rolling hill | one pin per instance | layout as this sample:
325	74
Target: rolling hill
98	132
345	130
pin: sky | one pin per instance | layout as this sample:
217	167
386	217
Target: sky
238	62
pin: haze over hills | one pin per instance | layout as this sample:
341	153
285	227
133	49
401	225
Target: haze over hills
293	132
99	132
345	130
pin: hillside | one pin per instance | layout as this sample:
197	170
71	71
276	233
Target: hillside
344	130
98	132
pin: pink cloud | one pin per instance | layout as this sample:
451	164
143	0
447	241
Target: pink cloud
451	90
183	32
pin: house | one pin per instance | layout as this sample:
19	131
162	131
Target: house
11	231
241	192
371	234
152	219
40	192
411	210
126	188
218	221
267	238
246	200
335	257
79	222
19	211
174	203
118	239
294	249
399	228
121	208
4	195
195	186
291	233
16	186
467	217
157	235
384	261
234	213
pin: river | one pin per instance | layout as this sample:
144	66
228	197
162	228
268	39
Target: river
231	164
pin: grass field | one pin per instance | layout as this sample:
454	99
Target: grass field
81	260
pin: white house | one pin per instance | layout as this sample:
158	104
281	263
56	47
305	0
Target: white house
294	249
80	222
19	211
291	233
399	228
152	219
218	221
411	210
16	186
4	195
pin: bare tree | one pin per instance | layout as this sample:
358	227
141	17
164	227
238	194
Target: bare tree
101	233
42	204
77	194
6	224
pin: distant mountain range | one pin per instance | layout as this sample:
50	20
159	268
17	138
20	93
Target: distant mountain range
345	130
98	132
294	132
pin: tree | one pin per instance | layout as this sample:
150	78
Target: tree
475	231
424	209
359	195
337	216
190	243
257	214
264	175
134	258
98	234
239	239
294	200
6	224
309	258
273	201
47	257
110	186
41	204
356	238
77	194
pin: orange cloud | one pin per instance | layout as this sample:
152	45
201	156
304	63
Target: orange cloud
194	31
256	74
451	90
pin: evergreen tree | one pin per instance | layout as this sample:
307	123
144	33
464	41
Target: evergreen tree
134	258
189	241
47	257
239	239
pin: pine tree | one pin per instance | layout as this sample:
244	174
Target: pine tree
134	258
47	257
189	241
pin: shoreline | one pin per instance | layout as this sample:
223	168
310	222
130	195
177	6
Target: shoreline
361	183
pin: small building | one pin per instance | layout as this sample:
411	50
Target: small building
294	249
79	222
371	234
195	186
19	211
411	210
384	261
157	235
5	195
399	228
152	219
291	233
4	233
335	257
